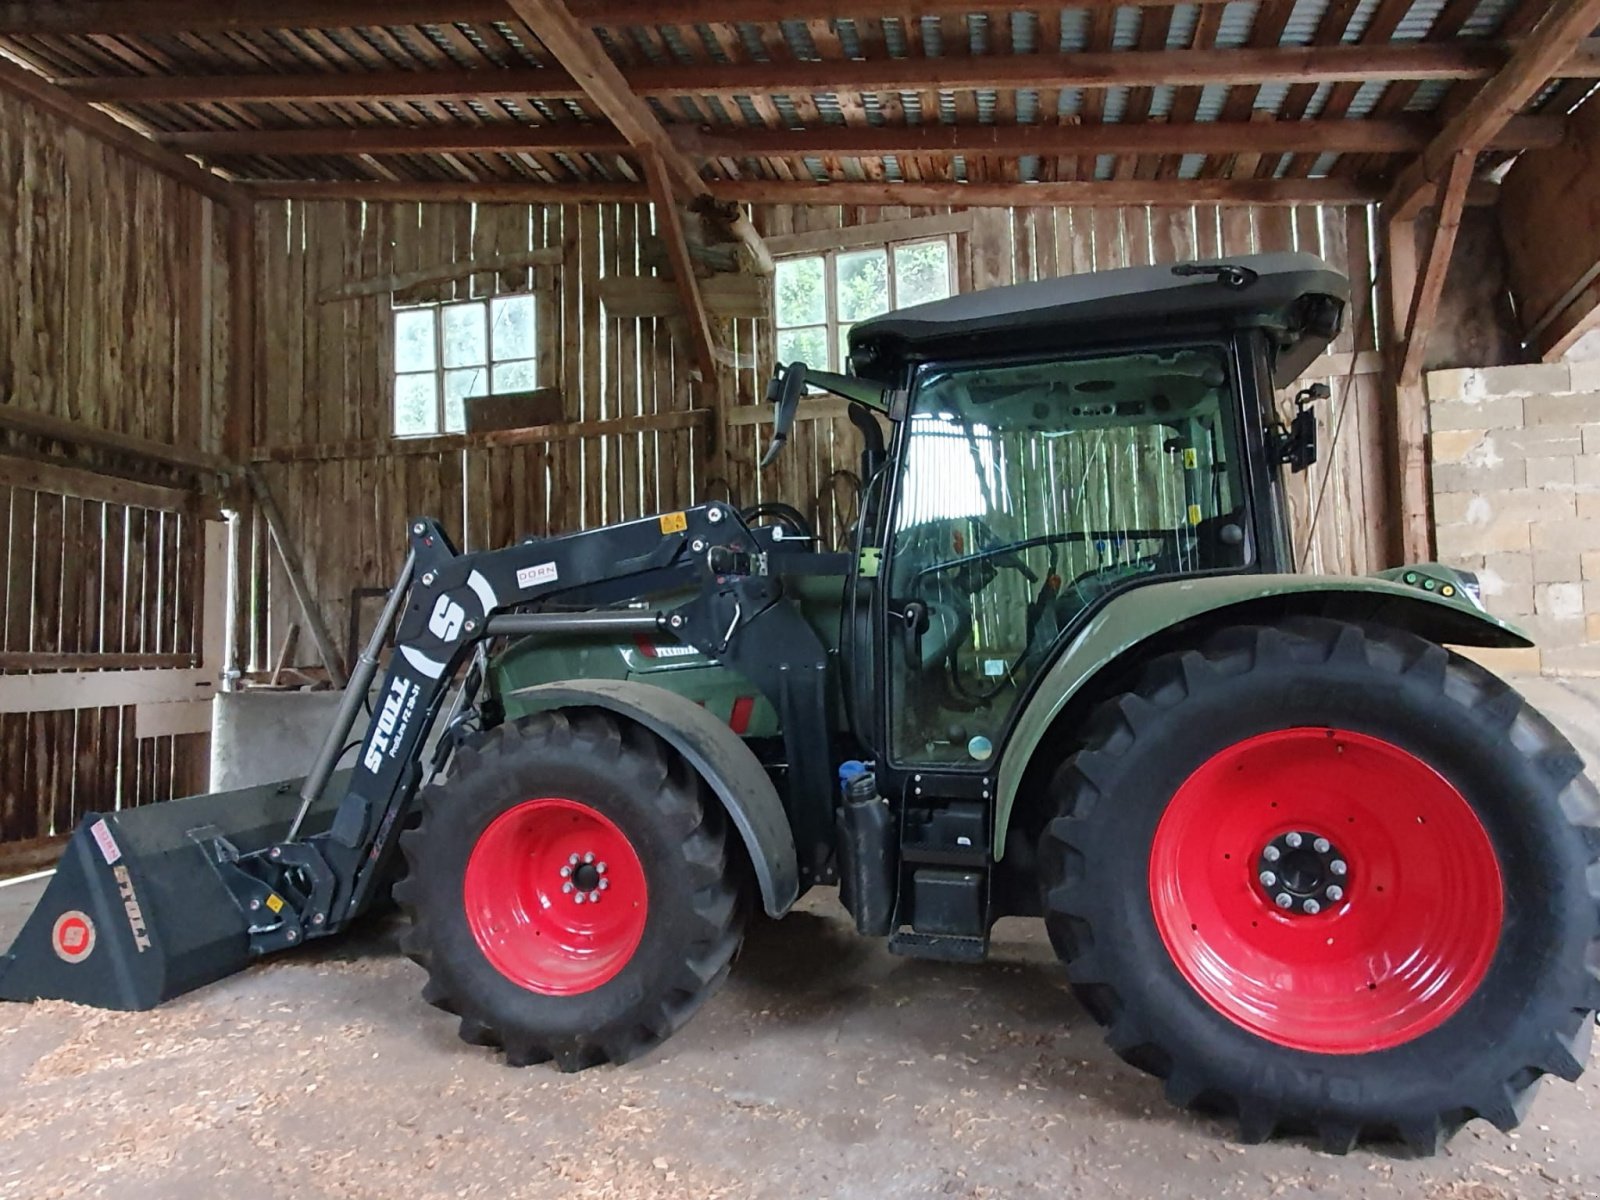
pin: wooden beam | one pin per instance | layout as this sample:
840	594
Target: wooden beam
23	660
1392	136
41	93
548	256
239	425
574	137
70	479
875	234
1405	420
669	223
381	191
87	17
1475	128
725	296
1089	193
59	429
1430	286
580	52
692	418
1255	66
292	567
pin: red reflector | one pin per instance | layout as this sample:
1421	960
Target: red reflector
646	646
739	718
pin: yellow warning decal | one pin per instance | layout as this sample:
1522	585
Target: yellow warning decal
275	903
1194	514
1191	458
674	522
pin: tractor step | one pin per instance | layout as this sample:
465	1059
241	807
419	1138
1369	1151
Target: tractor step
940	947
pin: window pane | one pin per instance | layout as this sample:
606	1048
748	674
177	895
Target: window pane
809	345
512	318
413	339
464	340
416	404
921	273
844	347
513	377
863	284
800	296
458	385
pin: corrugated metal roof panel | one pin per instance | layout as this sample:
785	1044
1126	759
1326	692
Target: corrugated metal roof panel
1358	20
1237	18
1074	30
1181	32
1190	166
1302	23
1488	18
1125	27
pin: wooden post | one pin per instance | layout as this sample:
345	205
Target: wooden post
1408	425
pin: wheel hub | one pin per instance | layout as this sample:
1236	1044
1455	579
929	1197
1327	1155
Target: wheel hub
1302	872
583	878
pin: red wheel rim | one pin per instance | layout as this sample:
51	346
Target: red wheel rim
1400	950
555	896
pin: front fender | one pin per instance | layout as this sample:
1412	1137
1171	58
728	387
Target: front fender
726	764
1429	600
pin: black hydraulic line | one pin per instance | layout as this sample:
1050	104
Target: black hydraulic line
518	624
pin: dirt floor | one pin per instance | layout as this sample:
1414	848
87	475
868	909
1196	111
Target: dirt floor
826	1068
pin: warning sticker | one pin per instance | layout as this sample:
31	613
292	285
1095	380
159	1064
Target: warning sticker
674	522
275	902
72	938
109	850
529	577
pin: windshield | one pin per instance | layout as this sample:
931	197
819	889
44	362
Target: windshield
1027	492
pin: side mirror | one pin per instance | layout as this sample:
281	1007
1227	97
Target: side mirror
1297	445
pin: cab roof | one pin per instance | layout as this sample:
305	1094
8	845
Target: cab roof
1298	299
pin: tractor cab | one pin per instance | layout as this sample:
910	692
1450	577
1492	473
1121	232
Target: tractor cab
1053	444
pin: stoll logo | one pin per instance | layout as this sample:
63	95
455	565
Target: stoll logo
72	936
393	703
130	903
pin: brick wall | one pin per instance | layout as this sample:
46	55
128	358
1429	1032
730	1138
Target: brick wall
1516	494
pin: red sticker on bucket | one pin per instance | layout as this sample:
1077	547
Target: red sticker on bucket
73	936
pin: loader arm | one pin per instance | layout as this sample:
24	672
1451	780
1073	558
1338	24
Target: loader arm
452	602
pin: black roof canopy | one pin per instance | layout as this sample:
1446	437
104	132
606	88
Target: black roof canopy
1297	298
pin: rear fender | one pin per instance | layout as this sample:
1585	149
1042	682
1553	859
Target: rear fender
723	760
1429	600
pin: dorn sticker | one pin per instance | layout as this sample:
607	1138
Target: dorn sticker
72	938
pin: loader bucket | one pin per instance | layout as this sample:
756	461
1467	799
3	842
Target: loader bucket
137	912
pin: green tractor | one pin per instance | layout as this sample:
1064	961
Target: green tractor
1307	864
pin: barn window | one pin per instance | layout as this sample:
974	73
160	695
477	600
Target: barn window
445	354
820	296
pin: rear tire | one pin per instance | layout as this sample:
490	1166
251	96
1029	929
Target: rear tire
495	916
1154	870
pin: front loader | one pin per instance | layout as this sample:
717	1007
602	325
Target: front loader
1308	864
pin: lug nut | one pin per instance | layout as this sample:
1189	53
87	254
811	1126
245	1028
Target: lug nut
574	860
579	898
1311	906
1272	854
594	897
1335	892
1292	840
566	871
600	867
1284	900
567	886
1337	866
604	884
1268	879
1322	845
588	858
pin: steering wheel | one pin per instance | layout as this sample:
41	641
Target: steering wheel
1005	553
788	384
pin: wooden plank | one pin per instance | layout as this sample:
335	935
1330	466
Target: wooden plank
724	296
572	137
88	484
444	272
875	234
385	191
289	555
155	720
98	689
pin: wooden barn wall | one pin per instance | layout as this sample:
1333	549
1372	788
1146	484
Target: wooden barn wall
322	374
107	320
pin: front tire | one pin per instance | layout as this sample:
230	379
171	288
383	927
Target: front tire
571	890
1332	879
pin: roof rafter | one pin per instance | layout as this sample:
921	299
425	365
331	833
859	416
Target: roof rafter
1127	68
1535	61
